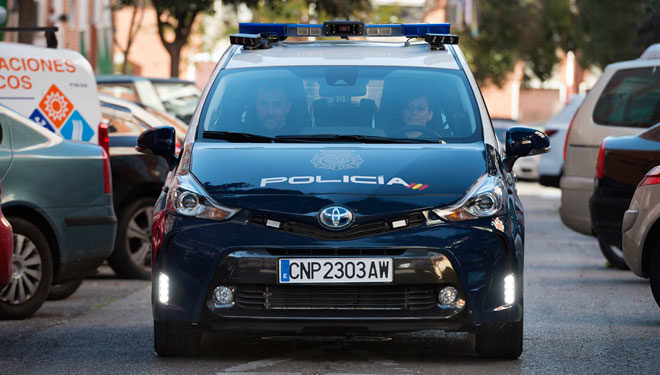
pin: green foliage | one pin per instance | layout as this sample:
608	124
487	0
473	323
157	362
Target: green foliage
617	30
299	10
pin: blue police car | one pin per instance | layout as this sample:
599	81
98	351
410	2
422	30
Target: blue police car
340	185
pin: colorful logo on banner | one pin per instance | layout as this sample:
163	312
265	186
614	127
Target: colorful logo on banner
37	117
77	128
57	112
56	106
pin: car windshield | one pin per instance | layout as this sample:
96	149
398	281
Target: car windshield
179	99
341	103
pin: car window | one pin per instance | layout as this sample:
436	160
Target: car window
179	99
122	123
124	91
631	98
344	100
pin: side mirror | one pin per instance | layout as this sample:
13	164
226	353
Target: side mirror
159	141
522	141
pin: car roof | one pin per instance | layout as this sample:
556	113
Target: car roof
135	109
120	78
342	52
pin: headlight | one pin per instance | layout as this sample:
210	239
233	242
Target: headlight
187	197
484	199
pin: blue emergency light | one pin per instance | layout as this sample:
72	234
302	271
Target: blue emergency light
259	35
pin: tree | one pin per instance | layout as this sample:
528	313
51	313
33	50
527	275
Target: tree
519	30
137	15
617	30
175	22
26	18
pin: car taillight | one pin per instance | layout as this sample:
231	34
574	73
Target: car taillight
651	178
107	177
600	160
568	132
104	140
550	132
177	148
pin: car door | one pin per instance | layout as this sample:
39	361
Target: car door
5	144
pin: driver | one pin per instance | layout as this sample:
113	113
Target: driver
273	106
417	112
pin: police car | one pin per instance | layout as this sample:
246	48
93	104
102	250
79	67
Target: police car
340	185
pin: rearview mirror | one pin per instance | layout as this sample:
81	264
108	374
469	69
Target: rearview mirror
159	141
522	141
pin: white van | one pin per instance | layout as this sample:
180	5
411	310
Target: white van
54	87
624	101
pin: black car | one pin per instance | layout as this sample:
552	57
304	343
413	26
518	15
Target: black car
622	163
340	187
137	179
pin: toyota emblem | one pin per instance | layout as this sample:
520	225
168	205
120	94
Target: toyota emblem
336	217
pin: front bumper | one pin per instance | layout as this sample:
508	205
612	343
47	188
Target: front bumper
198	257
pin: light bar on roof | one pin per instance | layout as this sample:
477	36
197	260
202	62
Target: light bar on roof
343	29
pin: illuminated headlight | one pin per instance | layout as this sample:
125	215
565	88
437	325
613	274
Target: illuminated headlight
484	199
188	198
509	290
163	288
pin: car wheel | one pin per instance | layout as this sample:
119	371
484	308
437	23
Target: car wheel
33	272
654	274
507	344
132	255
169	342
64	290
613	254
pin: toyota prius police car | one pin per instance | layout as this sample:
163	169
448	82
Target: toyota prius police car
340	185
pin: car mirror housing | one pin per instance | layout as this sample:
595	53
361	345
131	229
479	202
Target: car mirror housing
523	141
159	141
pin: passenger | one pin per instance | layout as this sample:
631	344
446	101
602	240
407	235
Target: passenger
273	106
417	113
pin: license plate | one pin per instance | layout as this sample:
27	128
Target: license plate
335	270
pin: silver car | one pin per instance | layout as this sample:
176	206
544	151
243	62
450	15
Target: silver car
641	231
617	105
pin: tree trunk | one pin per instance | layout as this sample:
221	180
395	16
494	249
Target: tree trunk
175	56
26	18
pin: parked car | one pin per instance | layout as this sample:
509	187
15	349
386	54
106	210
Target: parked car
137	180
6	251
624	101
525	168
57	197
622	163
551	165
641	231
175	96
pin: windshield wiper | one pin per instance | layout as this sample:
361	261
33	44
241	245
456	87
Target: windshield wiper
350	138
238	137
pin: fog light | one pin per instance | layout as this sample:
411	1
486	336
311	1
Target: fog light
448	296
223	295
163	288
509	289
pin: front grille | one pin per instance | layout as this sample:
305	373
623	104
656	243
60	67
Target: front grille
339	251
357	231
259	297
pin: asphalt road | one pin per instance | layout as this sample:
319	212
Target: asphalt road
580	317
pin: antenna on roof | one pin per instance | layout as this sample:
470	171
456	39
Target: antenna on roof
348	10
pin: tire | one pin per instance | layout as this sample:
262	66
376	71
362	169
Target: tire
654	274
169	342
33	263
507	344
131	258
613	254
64	290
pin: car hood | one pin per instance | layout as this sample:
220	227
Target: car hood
303	178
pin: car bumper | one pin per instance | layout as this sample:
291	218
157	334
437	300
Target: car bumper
607	208
574	209
475	260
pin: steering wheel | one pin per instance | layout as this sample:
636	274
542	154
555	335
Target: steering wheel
426	132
